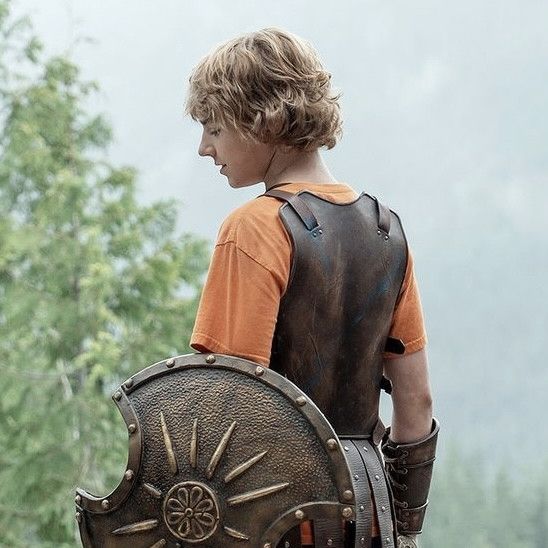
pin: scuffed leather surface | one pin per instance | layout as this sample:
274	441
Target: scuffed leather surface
336	314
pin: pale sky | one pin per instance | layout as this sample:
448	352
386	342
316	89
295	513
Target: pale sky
446	120
436	95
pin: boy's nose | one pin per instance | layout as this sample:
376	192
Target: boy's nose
205	149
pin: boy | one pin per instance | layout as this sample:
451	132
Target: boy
320	315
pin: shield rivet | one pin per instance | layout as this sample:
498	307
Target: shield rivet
78	499
299	514
383	508
131	428
346	448
129	475
170	362
210	359
259	371
78	517
362	507
128	383
348	495
329	542
267	545
117	396
105	504
301	400
287	544
332	444
377	477
356	477
347	512
365	449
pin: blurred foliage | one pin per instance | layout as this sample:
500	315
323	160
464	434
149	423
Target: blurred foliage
93	287
474	505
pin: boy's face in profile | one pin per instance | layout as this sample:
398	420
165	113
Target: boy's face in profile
244	163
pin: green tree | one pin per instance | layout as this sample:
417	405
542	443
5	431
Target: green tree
93	287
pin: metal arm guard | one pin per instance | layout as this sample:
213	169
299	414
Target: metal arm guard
409	470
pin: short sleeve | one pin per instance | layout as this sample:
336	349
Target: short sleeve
239	306
408	320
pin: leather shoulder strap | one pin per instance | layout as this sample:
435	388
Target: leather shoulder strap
298	205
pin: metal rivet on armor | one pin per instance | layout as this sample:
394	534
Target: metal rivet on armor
131	428
78	517
210	359
299	514
170	362
267	545
377	477
77	499
129	475
362	540
320	231
105	504
365	449
314	234
383	508
329	542
347	512
346	448
117	396
128	383
388	540
287	544
356	477
362	507
386	237
301	400
379	232
332	444
259	371
348	495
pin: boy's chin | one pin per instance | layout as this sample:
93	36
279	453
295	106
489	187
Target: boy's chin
242	184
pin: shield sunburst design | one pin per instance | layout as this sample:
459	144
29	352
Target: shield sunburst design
226	455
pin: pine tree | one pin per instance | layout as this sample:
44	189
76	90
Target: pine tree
93	287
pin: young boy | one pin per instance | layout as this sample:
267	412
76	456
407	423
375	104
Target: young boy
267	107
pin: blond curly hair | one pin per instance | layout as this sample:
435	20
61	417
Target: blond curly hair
270	86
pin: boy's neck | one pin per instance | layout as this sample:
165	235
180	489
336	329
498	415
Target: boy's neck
297	166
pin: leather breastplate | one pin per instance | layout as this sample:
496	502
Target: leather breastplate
347	270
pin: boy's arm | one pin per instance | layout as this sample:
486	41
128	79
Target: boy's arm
411	397
409	447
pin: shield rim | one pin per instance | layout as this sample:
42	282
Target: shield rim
101	505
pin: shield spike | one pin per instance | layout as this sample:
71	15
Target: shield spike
218	453
256	494
244	466
172	461
194	444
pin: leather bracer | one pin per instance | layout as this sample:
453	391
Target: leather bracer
409	470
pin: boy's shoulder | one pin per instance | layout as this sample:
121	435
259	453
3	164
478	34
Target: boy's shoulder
257	217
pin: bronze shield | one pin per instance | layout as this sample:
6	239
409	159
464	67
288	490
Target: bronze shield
222	453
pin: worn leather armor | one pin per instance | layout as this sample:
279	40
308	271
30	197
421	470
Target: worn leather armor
347	270
348	266
409	468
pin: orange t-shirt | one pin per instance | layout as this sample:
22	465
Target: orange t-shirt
249	273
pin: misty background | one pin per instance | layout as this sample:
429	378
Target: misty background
445	120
